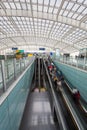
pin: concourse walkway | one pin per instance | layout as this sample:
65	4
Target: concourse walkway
37	114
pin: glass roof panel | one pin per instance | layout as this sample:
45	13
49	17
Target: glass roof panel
70	5
34	1
65	4
50	10
81	9
34	7
61	12
46	2
12	5
40	8
85	11
23	6
40	24
40	1
7	5
80	1
70	14
75	16
55	11
79	17
65	13
52	2
45	9
58	2
18	5
85	2
28	6
16	0
75	7
22	0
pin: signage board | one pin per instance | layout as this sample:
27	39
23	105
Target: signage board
42	49
14	48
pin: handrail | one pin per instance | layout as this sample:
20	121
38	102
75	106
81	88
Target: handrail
61	116
80	101
73	113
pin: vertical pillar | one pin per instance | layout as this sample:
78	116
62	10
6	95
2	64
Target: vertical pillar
14	62
3	74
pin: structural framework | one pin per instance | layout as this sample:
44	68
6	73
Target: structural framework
52	24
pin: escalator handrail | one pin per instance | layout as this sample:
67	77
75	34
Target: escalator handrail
62	123
82	106
72	111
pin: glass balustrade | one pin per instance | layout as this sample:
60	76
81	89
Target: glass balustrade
1	83
77	62
10	69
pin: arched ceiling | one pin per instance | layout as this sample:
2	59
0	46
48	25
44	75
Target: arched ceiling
48	23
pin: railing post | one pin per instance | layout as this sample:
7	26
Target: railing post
77	62
20	65
3	74
24	63
14	62
84	62
71	61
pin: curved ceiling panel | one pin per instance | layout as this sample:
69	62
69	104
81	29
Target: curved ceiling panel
48	23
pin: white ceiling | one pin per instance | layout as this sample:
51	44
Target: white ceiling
43	23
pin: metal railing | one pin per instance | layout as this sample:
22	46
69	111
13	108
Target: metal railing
10	69
77	62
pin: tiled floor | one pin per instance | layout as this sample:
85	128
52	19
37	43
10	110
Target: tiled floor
37	115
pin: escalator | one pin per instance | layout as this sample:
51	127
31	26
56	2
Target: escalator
66	117
75	117
77	107
37	114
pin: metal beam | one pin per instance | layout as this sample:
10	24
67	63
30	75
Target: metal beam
46	16
69	32
81	39
61	5
31	36
65	44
